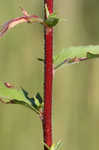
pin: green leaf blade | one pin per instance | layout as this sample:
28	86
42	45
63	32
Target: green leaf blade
11	95
76	54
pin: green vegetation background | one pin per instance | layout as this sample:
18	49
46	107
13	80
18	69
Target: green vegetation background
76	87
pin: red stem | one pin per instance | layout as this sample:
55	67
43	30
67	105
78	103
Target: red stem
48	78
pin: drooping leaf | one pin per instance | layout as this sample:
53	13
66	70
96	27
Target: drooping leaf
13	22
75	55
11	95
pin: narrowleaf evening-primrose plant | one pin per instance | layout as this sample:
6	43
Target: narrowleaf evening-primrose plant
42	106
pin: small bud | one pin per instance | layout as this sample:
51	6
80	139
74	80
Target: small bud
52	20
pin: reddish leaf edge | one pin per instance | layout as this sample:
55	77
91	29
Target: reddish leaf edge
21	103
26	18
33	100
77	60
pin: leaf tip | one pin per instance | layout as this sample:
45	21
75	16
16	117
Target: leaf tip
8	85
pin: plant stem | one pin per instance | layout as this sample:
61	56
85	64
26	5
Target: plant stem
48	79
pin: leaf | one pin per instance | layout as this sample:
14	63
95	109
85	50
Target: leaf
46	11
58	145
75	55
52	20
53	146
11	95
13	22
36	101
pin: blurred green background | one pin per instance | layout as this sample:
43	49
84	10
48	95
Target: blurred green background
76	87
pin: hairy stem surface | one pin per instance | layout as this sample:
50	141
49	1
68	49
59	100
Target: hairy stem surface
48	79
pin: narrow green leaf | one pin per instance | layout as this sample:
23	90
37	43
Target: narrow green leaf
58	145
11	95
53	146
75	55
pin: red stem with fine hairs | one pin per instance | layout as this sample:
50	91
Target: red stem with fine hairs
48	79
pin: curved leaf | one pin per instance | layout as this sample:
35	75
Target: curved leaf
75	55
11	95
13	22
